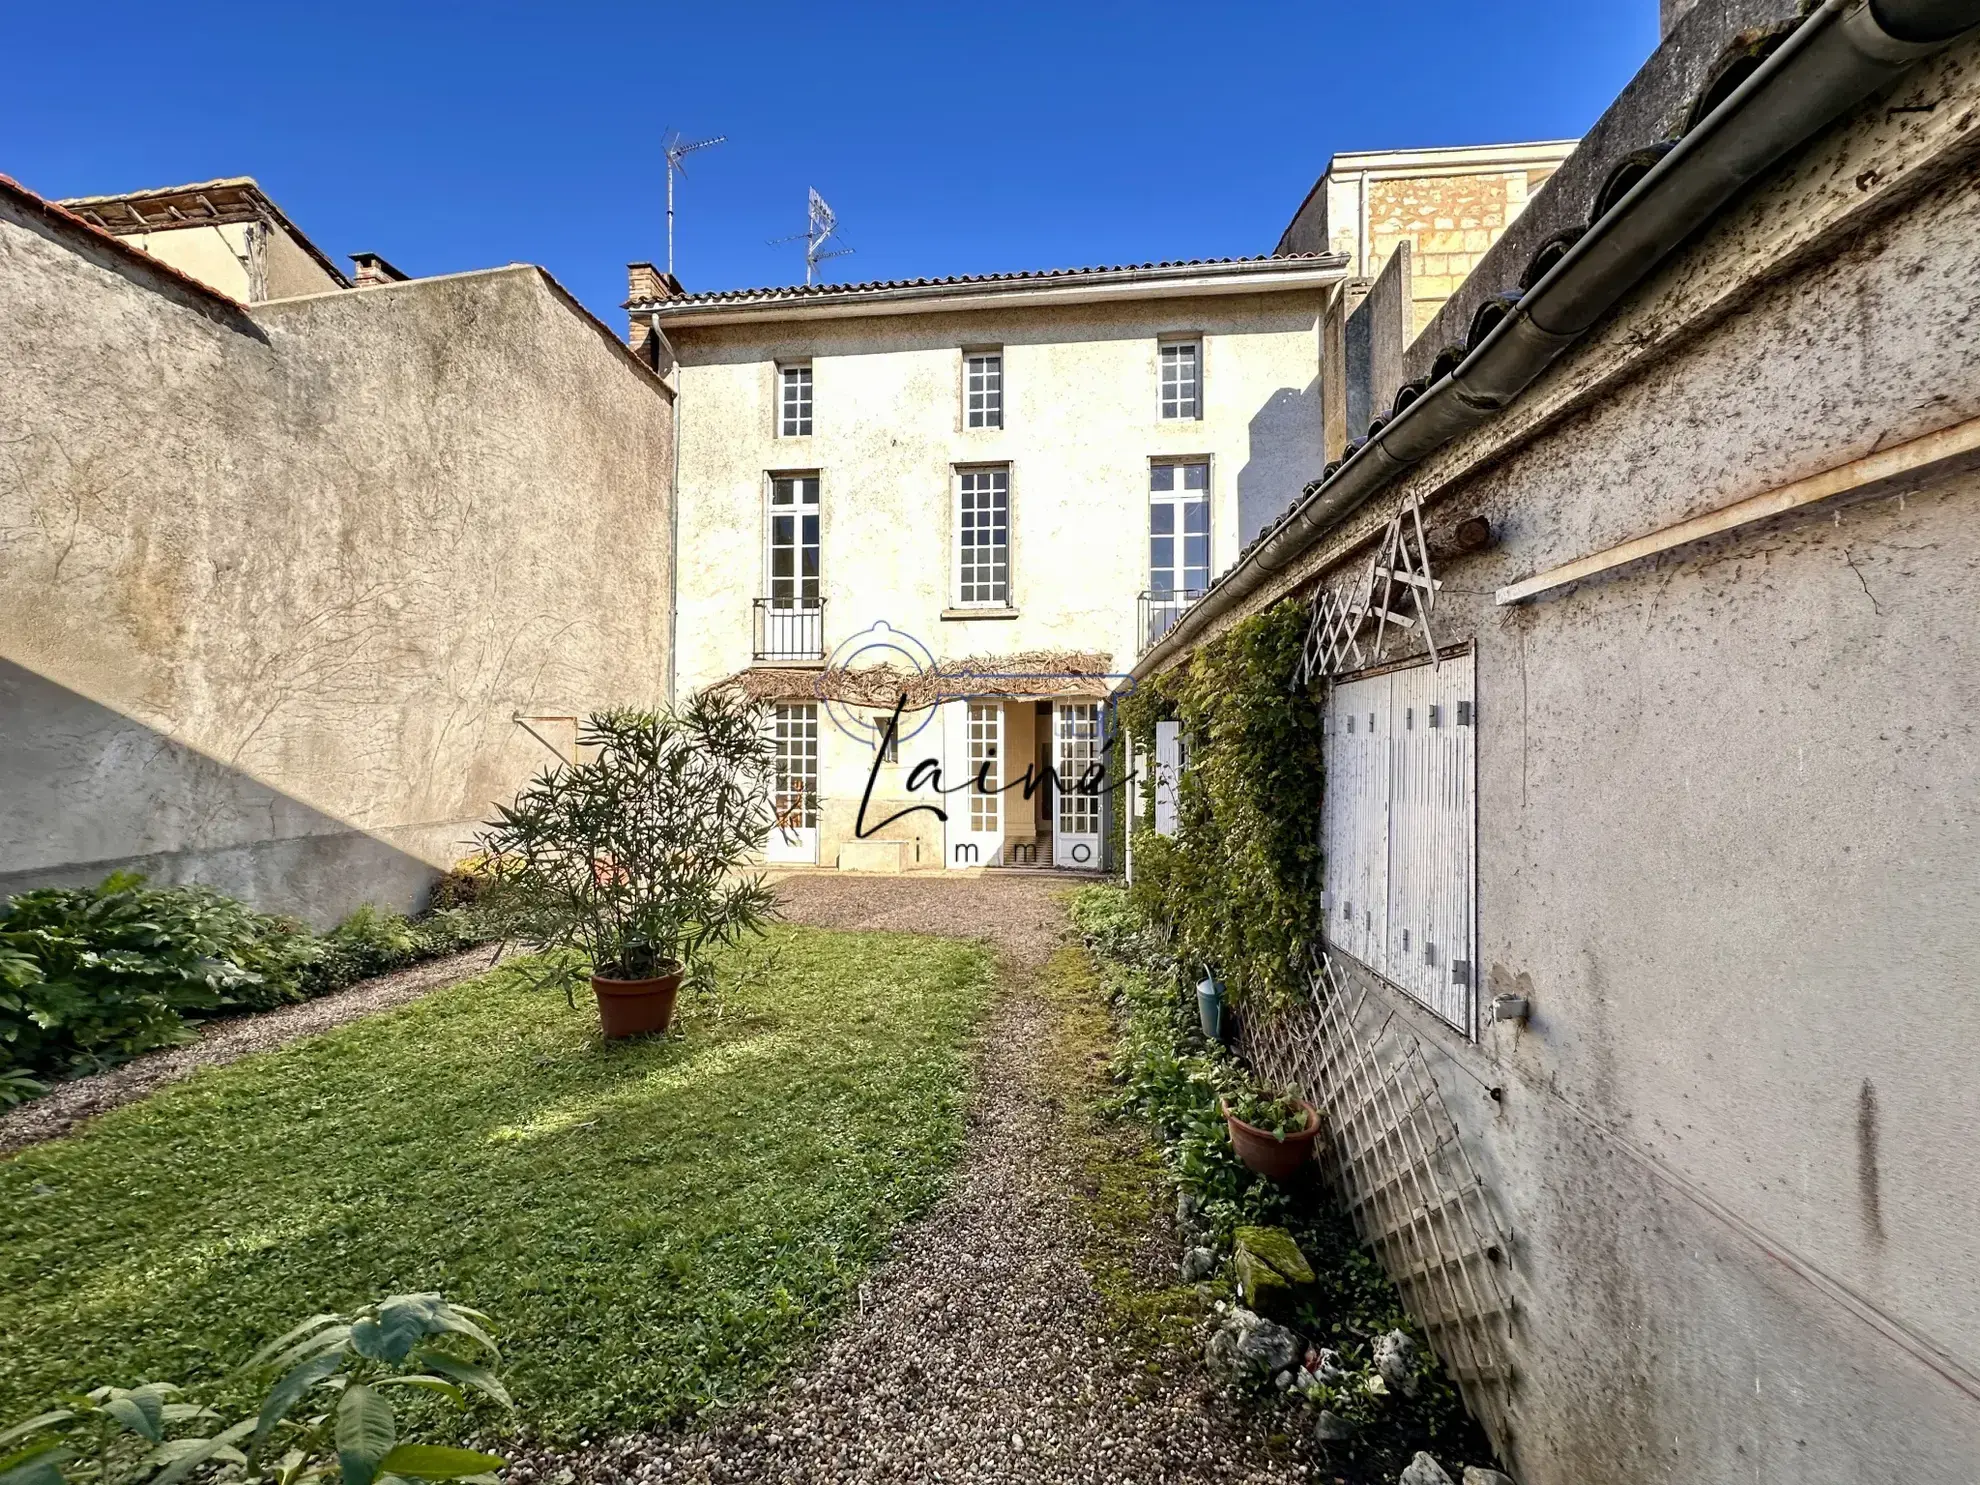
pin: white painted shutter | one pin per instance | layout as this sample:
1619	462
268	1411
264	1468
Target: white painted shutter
1168	763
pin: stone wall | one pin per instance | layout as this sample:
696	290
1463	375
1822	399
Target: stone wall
276	583
1449	221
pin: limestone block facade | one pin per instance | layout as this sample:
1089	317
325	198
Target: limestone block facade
1449	205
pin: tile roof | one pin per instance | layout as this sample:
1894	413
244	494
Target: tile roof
803	292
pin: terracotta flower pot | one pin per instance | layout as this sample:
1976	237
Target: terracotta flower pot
1275	1157
636	1007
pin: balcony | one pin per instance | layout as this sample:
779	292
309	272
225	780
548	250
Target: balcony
789	630
1160	610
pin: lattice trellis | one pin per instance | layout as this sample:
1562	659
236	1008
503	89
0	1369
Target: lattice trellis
1398	574
1393	1154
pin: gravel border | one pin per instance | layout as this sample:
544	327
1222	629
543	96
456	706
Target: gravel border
65	1105
980	1351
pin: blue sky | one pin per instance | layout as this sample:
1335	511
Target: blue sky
950	139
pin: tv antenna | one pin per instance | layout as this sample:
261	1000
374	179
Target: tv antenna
677	151
822	224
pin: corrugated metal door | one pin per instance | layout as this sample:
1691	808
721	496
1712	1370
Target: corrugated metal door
1398	830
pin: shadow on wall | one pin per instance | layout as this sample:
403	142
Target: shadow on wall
1288	426
85	790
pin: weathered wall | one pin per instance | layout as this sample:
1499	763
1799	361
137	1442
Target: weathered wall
274	583
1377	333
1081	425
1728	802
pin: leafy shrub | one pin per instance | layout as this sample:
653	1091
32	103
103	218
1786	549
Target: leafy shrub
344	1366
92	976
634	858
1239	882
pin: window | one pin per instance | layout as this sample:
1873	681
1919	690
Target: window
1398	834
794	729
793	541
1079	753
986	720
889	746
794	416
790	617
983	389
983	538
1182	384
1178	531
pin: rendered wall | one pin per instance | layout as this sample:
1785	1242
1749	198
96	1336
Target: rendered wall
1728	801
274	583
1081	425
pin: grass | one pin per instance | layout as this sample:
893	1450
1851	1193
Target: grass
1123	1190
654	1227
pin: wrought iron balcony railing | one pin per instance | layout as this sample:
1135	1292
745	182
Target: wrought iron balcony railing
790	628
1159	611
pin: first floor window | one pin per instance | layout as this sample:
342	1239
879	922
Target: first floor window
793	541
1398	838
794	796
1178	530
983	538
1182	383
794	408
983	389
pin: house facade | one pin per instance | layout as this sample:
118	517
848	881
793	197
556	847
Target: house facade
1641	631
984	495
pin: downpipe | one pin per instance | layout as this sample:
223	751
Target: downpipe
1840	55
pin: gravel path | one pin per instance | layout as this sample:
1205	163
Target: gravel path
66	1105
980	1351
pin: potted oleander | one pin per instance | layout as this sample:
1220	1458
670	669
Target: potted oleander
634	856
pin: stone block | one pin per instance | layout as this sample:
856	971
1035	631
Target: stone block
1270	1269
888	856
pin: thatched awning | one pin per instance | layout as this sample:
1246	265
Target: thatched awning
1030	675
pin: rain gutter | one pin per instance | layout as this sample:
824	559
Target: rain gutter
1841	54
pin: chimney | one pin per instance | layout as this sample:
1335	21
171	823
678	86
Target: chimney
646	284
372	269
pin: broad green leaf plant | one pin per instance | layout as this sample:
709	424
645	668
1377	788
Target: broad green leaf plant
635	856
327	1414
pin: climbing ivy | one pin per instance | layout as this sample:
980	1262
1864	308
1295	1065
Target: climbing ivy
1239	882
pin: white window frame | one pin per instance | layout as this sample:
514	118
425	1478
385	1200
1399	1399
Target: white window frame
807	484
968	483
794	399
983	387
1177	500
794	734
1171	401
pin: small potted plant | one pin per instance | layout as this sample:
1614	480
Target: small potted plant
1273	1135
634	856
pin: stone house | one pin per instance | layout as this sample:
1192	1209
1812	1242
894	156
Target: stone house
1012	480
1640	626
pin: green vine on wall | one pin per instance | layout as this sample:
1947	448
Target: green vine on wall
1239	882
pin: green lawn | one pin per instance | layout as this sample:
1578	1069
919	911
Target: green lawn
652	1226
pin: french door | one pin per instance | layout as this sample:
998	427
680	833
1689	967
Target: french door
1075	753
973	758
794	796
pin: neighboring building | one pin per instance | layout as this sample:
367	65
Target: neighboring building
292	592
225	233
1023	476
1448	205
1412	225
1644	1000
